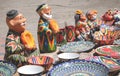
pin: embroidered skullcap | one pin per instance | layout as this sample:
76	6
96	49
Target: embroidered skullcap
40	7
12	14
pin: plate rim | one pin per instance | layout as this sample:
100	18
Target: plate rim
73	61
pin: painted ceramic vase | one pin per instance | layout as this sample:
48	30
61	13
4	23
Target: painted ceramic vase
70	33
61	37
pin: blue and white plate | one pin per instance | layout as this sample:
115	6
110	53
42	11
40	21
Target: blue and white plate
79	68
79	46
7	69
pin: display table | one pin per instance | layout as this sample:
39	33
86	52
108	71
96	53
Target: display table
83	55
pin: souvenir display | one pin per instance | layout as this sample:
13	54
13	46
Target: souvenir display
79	68
7	68
109	50
70	33
111	63
105	36
47	29
79	46
75	42
93	21
19	43
61	37
82	30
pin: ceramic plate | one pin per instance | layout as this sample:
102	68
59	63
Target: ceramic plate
7	69
117	41
111	63
109	50
79	68
68	55
79	46
30	69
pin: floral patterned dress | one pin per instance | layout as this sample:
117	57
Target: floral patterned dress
47	42
14	49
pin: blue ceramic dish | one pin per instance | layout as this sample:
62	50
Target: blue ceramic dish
79	46
7	68
79	68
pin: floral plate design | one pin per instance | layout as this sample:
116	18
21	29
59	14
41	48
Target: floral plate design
79	68
7	69
109	50
79	46
111	63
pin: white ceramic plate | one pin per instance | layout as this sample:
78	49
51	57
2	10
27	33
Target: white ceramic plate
30	69
68	55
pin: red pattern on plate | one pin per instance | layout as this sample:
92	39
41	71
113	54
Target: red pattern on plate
108	51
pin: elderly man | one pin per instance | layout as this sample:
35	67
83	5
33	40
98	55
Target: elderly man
47	28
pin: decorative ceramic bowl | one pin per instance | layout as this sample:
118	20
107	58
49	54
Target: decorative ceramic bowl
79	68
111	63
30	70
44	61
105	42
68	56
7	68
109	50
77	47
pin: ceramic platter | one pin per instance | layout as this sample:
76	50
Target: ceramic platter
111	63
109	50
117	41
79	46
7	69
79	68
